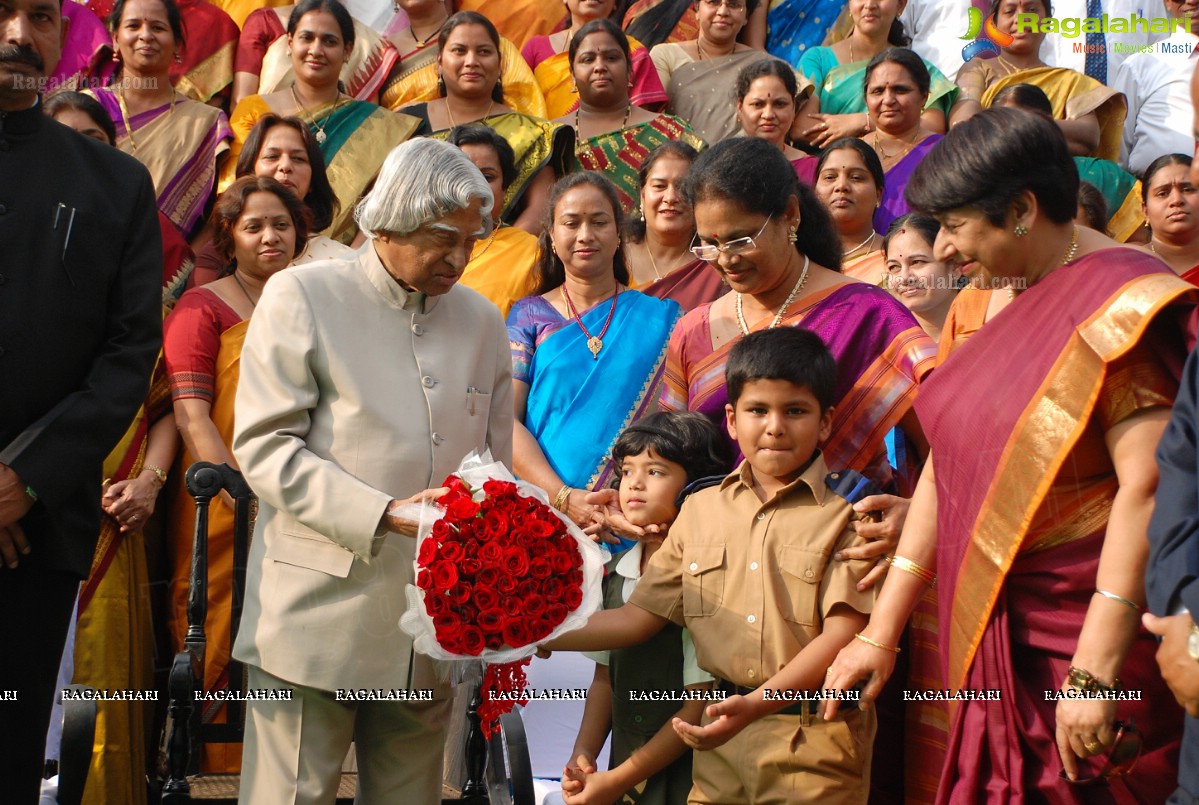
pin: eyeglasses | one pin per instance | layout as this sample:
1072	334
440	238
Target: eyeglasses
1120	758
709	252
733	5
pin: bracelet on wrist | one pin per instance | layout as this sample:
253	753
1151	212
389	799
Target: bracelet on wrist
1084	680
158	471
562	499
876	644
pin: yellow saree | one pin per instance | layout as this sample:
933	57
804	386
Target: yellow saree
500	267
416	81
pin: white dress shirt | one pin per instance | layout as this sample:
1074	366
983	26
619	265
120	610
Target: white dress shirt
1160	113
1058	50
936	27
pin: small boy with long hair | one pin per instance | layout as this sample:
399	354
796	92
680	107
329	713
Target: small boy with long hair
658	460
746	568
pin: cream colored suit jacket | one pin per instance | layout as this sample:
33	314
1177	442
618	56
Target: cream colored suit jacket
351	396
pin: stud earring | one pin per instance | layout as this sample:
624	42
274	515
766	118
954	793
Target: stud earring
793	234
1021	230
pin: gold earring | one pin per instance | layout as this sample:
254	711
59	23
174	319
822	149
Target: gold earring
1021	230
793	234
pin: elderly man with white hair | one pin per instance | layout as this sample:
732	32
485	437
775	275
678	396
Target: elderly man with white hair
363	383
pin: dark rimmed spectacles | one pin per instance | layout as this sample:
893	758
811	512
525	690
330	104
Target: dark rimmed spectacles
1120	759
709	251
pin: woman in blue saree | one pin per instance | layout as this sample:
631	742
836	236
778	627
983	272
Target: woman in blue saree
587	352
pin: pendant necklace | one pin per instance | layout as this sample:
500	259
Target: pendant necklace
246	293
778	317
450	112
320	128
594	342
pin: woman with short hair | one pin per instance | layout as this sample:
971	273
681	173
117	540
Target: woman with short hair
1032	519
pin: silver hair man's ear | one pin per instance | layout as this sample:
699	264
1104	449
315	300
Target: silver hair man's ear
422	180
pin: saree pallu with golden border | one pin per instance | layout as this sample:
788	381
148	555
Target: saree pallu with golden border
619	155
179	144
1073	95
206	66
1019	542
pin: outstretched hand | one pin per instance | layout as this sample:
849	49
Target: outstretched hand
729	717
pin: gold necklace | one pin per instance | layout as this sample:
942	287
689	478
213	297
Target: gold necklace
320	128
1071	251
420	43
487	243
1011	68
578	132
120	93
450	112
654	263
878	146
778	317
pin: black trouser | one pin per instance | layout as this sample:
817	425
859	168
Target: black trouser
35	613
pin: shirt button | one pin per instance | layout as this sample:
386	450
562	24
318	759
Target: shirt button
418	330
637	719
752	619
438	438
753	565
427	382
694	566
761	515
750	673
807	574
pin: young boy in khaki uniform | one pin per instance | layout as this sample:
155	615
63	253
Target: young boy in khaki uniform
746	568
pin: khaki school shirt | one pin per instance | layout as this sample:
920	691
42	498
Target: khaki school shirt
754	581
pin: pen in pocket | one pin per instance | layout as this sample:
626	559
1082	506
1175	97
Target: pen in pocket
470	395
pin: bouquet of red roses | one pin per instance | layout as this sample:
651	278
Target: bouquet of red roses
497	573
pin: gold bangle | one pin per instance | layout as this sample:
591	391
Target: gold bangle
876	644
562	498
919	571
159	471
1120	600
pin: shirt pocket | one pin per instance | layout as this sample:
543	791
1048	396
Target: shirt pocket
802	571
478	403
703	579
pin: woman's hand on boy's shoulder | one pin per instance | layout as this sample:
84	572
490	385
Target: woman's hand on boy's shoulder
881	532
608	519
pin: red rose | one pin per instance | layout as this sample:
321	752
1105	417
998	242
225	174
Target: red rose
515	562
516	633
485	597
575	577
539	629
466	531
552	588
456	490
491	620
450	551
469	612
541	528
561	563
462	509
495	525
540	568
428	552
526	588
494	641
490	554
469	565
505	585
505	506
472	641
487	577
555	614
424	580
460	593
436	605
445	575
497	489
448	626
470	547
572	598
534	605
576	559
511	606
441	530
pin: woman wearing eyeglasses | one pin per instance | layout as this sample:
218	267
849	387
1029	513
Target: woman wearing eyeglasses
775	246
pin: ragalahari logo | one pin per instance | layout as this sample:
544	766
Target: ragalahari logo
988	39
